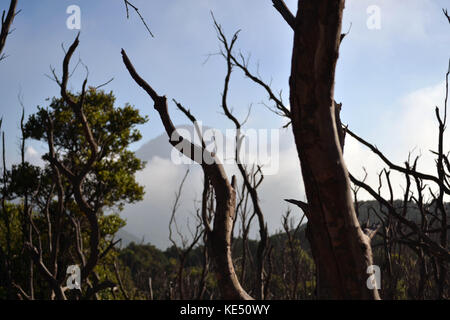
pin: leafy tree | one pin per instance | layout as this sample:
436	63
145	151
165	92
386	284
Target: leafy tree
64	233
111	182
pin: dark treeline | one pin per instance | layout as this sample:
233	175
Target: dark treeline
292	271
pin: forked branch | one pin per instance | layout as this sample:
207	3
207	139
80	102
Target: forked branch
220	237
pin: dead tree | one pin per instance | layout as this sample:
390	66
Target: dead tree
187	245
428	237
206	214
219	235
5	30
6	255
26	215
336	238
243	211
7	22
247	215
125	294
251	188
343	248
291	285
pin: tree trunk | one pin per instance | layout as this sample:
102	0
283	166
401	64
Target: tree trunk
219	238
341	250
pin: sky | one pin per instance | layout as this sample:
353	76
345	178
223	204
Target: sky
389	79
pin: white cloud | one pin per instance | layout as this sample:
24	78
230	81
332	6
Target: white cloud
34	157
411	126
150	218
161	178
418	126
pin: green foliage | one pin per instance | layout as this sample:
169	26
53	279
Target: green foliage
110	224
23	178
10	227
109	184
111	181
144	262
13	212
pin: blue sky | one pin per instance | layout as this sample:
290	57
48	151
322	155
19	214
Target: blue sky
386	79
172	61
376	67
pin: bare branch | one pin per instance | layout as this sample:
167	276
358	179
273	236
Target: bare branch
285	12
391	165
127	3
6	24
119	281
446	14
104	84
242	63
427	241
